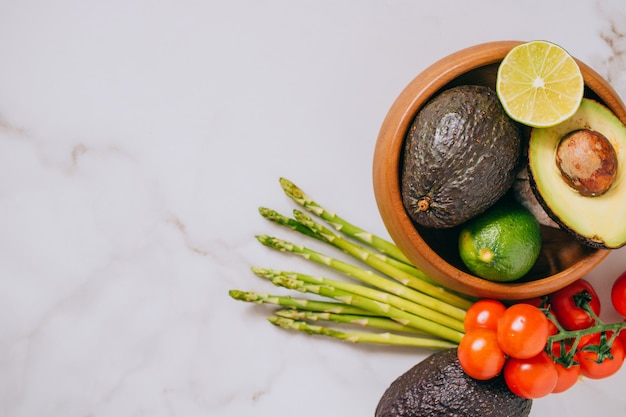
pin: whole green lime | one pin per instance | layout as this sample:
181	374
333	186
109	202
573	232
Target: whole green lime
502	244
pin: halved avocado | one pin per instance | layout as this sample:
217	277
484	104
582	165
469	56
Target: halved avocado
578	173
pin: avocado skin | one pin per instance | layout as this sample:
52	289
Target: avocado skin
438	387
461	154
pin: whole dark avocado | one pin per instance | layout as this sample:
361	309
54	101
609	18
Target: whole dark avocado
438	387
461	155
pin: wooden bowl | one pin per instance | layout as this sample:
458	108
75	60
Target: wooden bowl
562	259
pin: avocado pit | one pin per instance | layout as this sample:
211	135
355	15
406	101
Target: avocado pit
587	162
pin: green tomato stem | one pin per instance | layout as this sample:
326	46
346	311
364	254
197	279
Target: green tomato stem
566	357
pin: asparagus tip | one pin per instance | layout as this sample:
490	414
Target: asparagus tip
264	239
283	322
243	295
291	189
271	214
262	272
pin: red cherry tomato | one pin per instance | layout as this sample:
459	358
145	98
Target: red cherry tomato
539	303
567	376
484	314
531	378
523	331
588	357
480	355
564	308
618	294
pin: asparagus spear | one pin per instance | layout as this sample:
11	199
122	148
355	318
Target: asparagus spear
297	303
366	276
383	245
374	306
384	297
359	320
356	337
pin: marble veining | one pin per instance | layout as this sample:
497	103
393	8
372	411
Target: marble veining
137	141
614	34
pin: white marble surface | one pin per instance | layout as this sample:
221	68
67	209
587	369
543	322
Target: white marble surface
138	139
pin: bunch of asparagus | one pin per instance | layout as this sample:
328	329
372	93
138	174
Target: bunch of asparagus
385	292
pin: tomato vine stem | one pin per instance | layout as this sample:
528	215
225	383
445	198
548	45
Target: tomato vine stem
570	339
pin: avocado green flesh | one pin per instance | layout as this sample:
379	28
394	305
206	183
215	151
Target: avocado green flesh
597	221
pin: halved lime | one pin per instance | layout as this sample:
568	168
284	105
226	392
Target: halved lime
539	84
